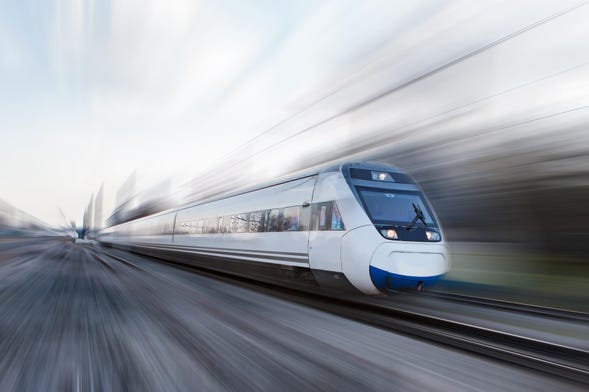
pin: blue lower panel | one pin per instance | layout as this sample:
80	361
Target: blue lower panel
387	280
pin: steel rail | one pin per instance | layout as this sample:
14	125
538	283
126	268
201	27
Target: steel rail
510	305
556	359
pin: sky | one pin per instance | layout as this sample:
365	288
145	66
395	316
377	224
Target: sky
93	90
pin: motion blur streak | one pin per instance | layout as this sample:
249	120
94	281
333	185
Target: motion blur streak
485	103
488	110
17	223
75	319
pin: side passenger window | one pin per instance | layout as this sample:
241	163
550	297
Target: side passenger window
321	216
304	218
273	220
290	219
212	225
256	222
337	223
241	223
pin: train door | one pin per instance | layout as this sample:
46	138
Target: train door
287	225
326	225
325	237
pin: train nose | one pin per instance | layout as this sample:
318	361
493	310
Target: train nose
391	268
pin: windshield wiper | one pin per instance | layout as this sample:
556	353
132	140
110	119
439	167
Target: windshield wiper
418	216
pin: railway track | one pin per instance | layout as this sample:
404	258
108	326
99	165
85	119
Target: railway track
556	359
509	305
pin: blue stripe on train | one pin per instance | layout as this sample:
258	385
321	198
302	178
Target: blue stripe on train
387	280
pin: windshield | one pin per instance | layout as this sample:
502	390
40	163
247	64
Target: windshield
386	206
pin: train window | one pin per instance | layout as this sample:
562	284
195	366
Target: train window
388	206
304	218
337	222
225	225
212	225
321	216
256	222
290	219
273	220
241	223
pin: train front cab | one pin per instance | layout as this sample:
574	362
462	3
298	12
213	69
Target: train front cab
395	242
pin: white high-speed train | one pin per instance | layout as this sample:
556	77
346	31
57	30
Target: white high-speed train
355	226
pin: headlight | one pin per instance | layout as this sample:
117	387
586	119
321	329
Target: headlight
390	234
381	176
432	235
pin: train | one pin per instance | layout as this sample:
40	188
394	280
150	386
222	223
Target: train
355	227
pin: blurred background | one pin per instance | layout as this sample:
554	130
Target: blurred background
140	106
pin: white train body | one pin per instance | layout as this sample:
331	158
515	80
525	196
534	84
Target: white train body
340	228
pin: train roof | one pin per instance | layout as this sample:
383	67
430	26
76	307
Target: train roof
295	176
338	167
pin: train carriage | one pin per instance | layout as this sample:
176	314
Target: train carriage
355	227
